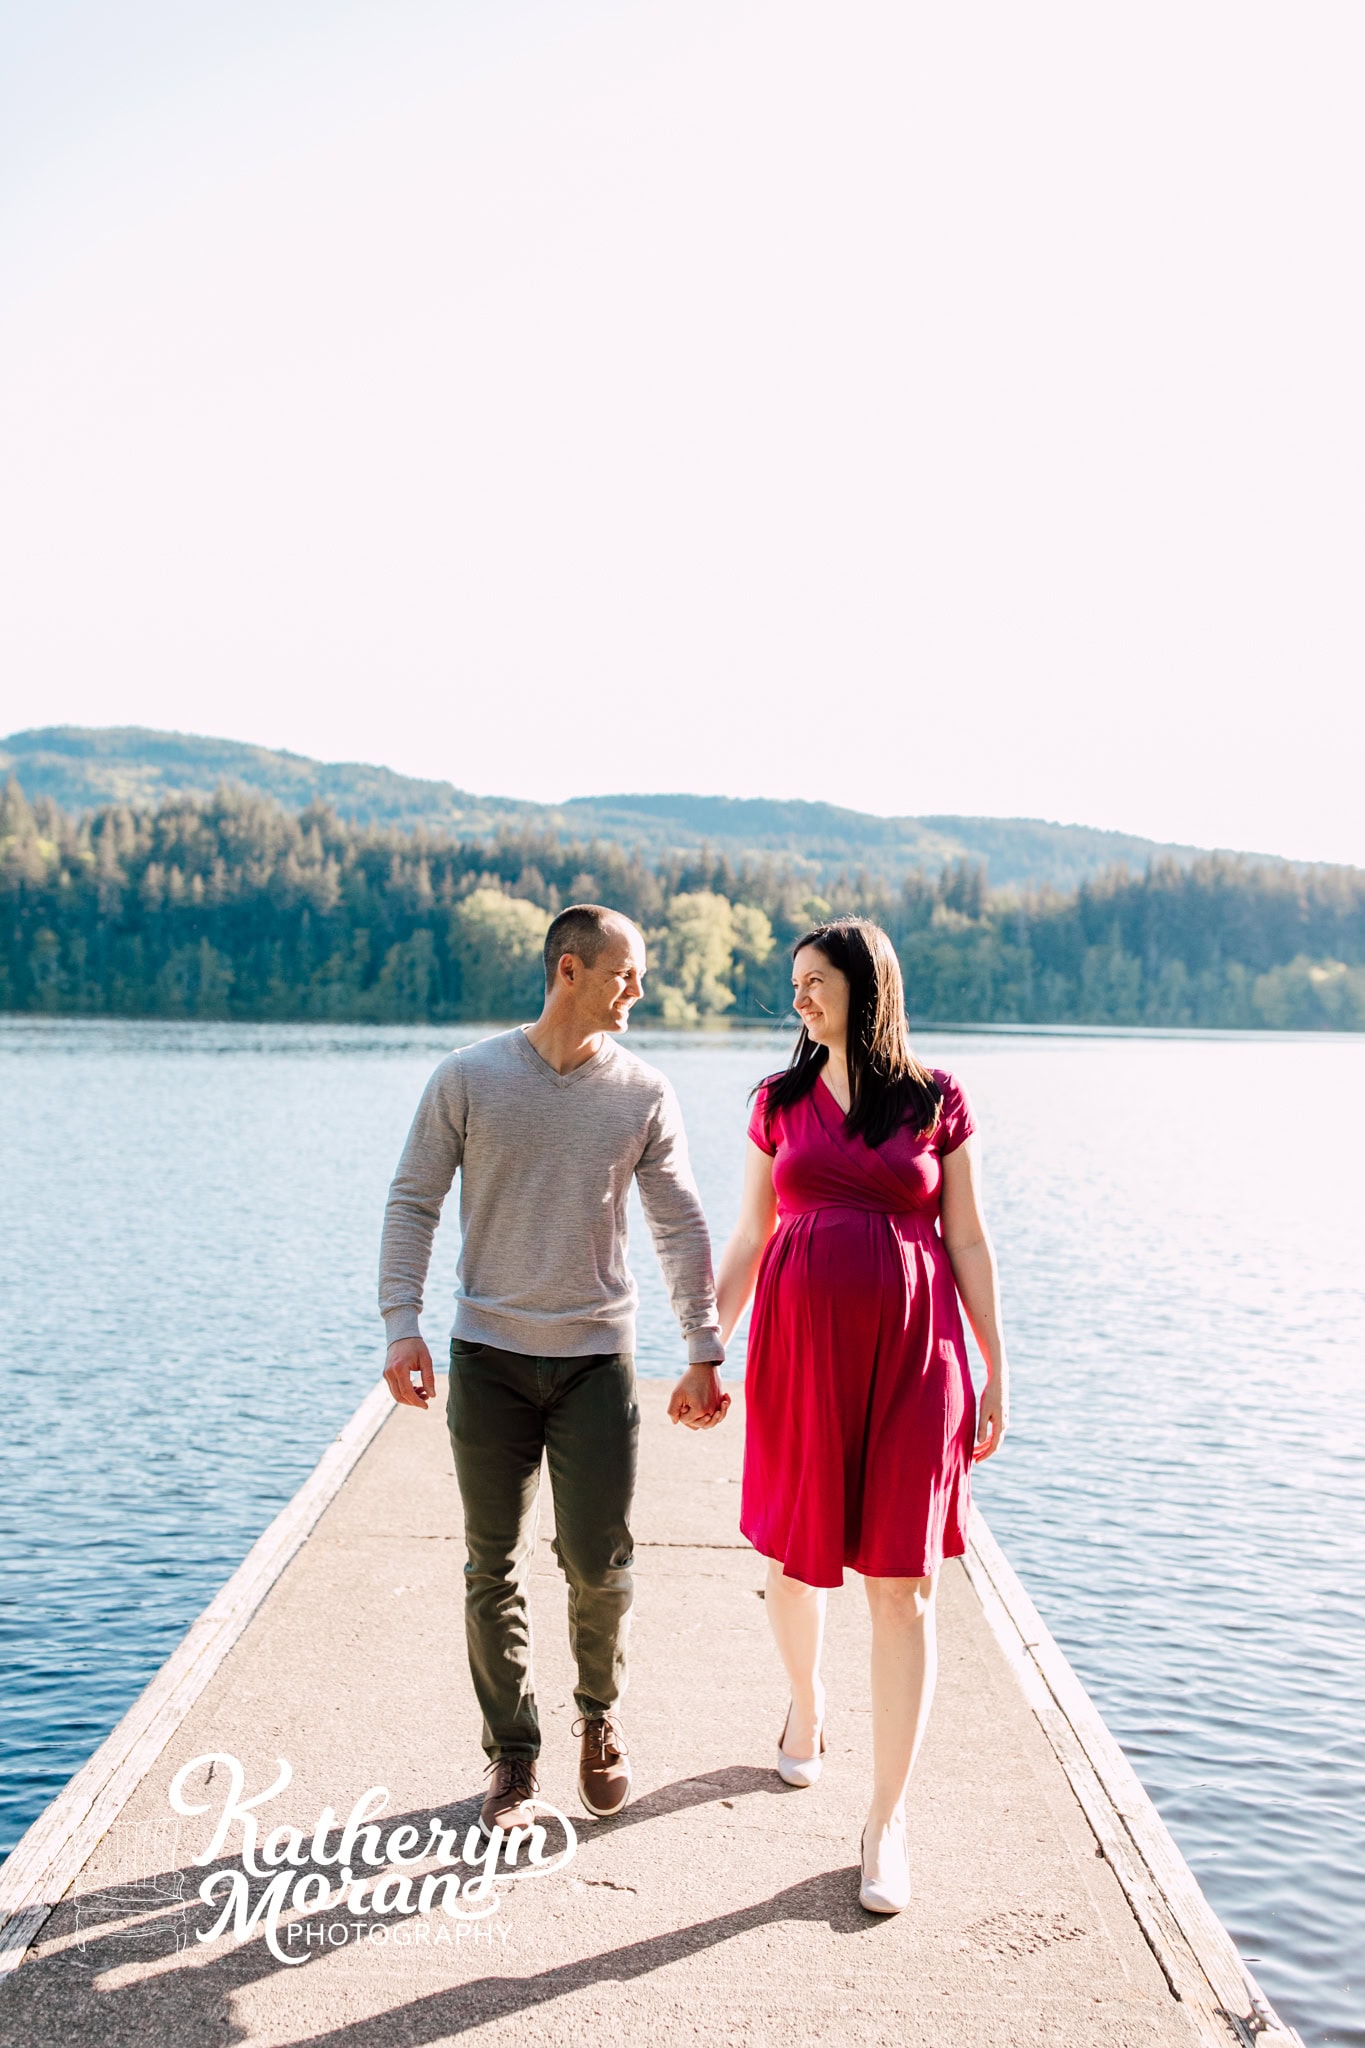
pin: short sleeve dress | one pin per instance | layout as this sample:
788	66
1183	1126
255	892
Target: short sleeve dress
860	1410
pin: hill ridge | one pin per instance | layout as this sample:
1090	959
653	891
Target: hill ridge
81	767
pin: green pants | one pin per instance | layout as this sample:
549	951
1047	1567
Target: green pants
505	1409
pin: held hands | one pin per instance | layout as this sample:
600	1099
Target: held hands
992	1420
406	1357
697	1399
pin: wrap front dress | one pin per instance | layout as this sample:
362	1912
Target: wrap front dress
860	1410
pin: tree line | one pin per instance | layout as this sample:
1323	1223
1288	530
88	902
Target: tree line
232	906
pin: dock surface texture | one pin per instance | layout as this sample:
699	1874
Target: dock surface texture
1050	1906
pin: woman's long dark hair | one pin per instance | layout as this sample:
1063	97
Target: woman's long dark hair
888	1086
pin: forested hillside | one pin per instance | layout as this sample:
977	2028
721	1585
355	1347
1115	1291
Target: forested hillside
82	767
232	906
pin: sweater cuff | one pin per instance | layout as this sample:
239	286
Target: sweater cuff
401	1322
704	1347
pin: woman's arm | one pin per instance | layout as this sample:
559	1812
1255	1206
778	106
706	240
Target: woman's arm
757	1219
972	1258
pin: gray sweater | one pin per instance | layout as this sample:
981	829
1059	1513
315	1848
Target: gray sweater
545	1164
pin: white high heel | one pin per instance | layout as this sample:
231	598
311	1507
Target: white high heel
886	1894
798	1770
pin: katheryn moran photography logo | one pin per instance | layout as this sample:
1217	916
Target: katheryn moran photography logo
377	1884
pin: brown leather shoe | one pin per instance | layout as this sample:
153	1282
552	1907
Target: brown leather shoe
514	1783
603	1766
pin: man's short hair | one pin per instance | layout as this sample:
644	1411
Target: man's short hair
583	929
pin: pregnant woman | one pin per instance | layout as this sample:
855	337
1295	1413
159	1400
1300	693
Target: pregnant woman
861	1224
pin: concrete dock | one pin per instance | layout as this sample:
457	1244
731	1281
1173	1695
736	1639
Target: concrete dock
1051	1908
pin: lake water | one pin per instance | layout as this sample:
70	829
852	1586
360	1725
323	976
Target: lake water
189	1218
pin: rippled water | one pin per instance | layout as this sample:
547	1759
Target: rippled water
189	1218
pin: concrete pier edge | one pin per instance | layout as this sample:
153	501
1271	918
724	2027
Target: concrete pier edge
1197	1956
47	1858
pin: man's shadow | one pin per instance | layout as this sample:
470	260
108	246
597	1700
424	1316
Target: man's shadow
53	2000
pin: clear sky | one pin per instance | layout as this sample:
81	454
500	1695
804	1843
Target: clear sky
926	408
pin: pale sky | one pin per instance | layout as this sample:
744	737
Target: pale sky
926	408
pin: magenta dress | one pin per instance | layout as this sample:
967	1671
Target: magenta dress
860	1409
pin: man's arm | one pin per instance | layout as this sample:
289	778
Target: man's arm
673	1210
430	1159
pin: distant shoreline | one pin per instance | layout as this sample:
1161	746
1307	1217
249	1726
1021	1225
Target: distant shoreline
651	1028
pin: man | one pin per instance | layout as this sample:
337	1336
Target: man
547	1124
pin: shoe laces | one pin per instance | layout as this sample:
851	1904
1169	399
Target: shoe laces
515	1775
603	1734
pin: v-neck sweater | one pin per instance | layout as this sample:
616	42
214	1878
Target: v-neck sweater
545	1163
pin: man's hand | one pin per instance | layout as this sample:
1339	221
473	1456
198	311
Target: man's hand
407	1356
697	1399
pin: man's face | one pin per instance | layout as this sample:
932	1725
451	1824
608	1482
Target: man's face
613	985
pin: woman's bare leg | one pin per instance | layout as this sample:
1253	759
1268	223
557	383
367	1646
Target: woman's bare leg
904	1668
796	1615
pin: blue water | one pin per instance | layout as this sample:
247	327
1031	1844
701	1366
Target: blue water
189	1218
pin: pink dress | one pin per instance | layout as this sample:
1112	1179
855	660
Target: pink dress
861	1413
